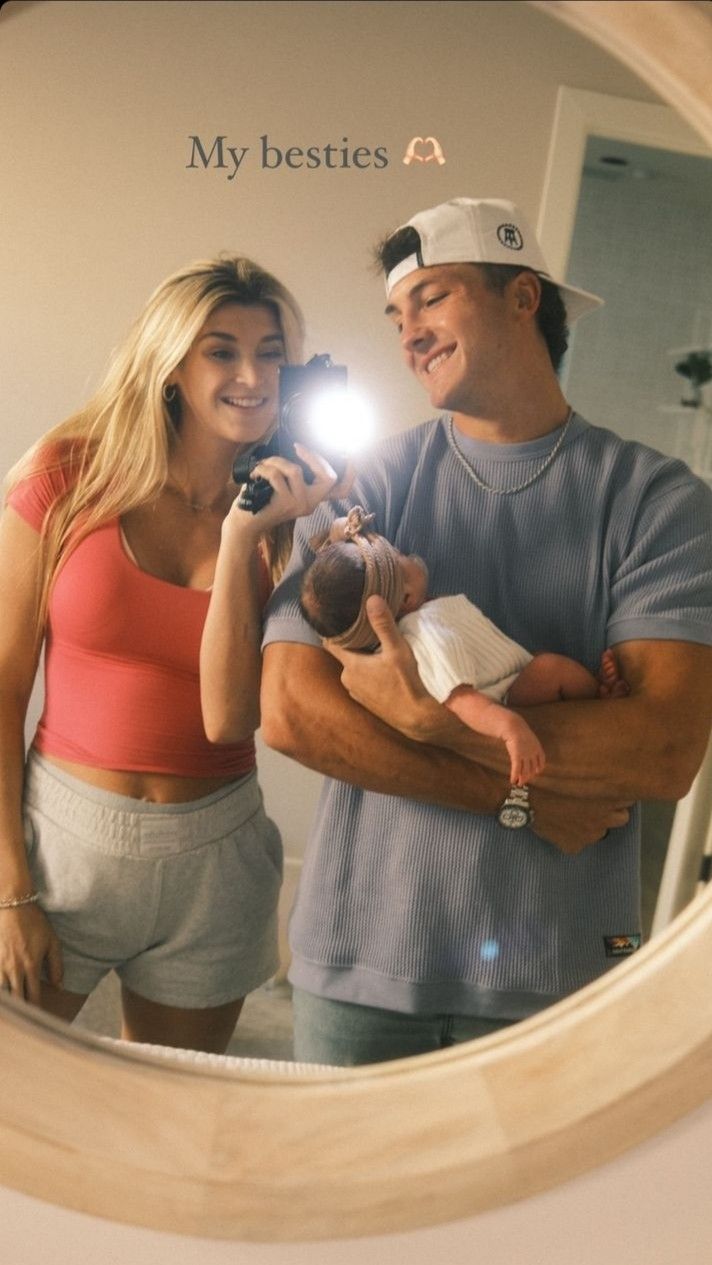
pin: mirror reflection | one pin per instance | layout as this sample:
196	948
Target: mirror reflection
393	891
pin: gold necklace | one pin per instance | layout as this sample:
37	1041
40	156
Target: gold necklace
197	507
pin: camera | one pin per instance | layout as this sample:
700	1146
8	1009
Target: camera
304	390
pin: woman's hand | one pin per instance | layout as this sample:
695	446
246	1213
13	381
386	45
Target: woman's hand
26	942
292	497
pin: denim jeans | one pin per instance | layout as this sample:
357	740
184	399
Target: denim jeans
342	1034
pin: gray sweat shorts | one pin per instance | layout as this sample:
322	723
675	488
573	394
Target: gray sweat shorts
179	899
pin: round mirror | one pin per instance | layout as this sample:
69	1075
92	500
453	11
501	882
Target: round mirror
199	1147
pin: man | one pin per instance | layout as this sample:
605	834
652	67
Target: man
437	902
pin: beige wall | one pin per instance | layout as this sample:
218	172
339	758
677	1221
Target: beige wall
98	102
100	98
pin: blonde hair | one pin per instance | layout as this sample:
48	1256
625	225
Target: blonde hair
120	442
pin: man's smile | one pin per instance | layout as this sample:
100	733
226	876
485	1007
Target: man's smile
438	359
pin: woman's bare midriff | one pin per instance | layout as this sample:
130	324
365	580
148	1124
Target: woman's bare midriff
155	788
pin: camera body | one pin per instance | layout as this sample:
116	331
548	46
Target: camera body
299	386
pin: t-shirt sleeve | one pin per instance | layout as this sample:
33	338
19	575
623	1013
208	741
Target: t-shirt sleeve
283	617
662	587
35	495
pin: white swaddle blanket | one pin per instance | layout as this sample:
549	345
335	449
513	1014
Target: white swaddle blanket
455	644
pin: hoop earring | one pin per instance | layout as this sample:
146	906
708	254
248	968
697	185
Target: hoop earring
169	392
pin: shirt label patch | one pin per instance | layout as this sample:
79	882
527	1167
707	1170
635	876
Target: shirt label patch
621	946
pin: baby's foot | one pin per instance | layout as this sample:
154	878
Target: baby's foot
526	756
610	682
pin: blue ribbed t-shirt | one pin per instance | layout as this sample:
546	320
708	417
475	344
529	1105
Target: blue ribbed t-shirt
418	908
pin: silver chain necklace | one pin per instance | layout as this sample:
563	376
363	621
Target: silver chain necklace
487	487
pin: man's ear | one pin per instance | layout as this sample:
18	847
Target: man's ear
526	289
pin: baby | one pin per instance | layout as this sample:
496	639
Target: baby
463	660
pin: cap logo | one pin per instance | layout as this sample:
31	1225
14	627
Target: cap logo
509	236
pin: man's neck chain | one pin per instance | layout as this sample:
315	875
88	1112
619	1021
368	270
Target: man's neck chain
487	487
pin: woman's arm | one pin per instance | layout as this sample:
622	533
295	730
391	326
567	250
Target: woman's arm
26	938
230	661
230	647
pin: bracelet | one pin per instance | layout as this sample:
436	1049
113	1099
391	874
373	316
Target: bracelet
29	899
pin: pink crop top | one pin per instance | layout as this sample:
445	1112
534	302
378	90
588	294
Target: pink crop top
122	687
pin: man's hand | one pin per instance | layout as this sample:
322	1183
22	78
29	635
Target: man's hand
573	824
387	683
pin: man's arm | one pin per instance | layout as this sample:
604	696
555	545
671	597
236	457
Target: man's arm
648	745
308	715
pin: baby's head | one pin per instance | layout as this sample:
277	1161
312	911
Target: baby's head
352	565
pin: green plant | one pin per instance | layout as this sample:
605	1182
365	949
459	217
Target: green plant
697	366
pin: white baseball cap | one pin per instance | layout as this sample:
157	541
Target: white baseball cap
483	231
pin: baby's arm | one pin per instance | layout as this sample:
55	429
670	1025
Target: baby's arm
482	714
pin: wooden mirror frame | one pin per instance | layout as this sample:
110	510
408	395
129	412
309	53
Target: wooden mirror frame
259	1155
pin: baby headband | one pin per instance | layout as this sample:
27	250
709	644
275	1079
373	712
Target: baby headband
383	575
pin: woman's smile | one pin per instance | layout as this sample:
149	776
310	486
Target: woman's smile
228	383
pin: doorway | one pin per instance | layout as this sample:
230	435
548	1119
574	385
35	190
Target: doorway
627	213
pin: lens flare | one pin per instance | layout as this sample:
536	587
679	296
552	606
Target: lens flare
340	420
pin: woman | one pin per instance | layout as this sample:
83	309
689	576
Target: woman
133	843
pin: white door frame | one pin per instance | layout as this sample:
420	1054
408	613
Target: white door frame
581	114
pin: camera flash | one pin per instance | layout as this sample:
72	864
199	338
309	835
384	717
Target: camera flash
340	420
